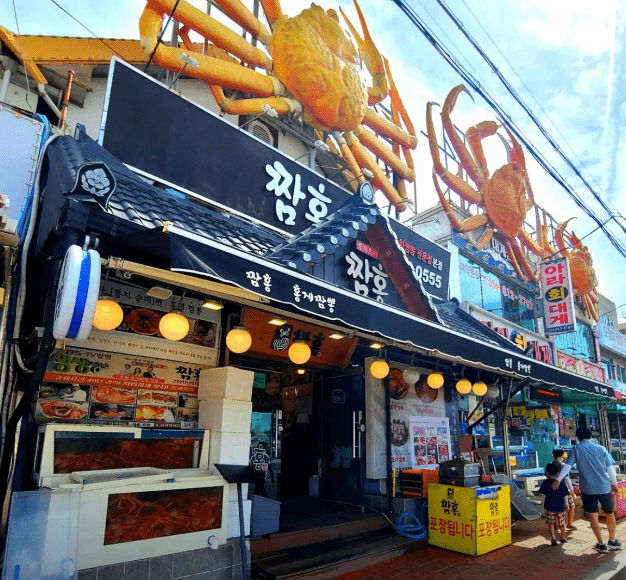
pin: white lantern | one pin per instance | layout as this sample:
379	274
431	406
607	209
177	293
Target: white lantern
411	375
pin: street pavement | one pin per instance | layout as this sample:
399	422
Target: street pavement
529	557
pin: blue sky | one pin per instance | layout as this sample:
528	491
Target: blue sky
566	60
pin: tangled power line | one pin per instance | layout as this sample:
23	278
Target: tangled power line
512	125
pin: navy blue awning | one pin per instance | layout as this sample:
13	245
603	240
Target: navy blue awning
237	252
195	254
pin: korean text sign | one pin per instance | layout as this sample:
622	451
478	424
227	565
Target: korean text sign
558	297
461	520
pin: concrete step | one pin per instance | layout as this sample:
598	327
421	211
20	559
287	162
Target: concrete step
277	542
333	556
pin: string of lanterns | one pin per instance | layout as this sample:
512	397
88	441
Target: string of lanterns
175	326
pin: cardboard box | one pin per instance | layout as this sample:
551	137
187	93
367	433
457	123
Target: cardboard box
225	383
225	415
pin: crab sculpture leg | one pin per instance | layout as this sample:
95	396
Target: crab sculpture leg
583	274
504	197
297	79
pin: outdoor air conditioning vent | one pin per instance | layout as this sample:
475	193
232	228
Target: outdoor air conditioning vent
260	131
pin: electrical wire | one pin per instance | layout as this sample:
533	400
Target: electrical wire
17	26
457	66
520	102
530	92
169	19
87	29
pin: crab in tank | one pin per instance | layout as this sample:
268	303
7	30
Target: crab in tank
504	197
306	65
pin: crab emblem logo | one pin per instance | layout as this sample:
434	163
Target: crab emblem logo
94	182
366	191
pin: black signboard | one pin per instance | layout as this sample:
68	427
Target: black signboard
430	261
544	395
156	131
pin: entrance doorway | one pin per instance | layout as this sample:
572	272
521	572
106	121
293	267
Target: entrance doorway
311	426
342	425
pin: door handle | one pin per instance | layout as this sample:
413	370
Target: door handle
360	428
278	415
354	435
357	429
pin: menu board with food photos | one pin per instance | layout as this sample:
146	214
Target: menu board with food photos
409	402
429	440
90	386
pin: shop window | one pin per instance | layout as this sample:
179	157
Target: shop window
579	343
492	293
518	307
470	281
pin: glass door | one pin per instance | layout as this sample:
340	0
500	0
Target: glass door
342	420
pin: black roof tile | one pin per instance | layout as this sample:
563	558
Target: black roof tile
138	201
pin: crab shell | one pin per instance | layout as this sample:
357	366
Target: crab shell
504	198
583	274
315	60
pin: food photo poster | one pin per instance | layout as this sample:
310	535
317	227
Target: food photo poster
408	402
429	441
82	385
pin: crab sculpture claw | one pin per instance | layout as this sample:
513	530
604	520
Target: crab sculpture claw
502	198
583	274
371	57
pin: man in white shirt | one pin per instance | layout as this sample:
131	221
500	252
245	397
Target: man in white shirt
77	395
596	479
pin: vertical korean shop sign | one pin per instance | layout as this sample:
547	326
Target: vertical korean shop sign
558	297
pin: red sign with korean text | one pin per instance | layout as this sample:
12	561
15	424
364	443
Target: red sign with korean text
558	297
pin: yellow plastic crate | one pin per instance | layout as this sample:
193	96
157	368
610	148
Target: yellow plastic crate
460	520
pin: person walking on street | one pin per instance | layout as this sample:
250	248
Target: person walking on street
555	503
559	457
597	479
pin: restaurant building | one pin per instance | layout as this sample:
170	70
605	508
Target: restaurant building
268	315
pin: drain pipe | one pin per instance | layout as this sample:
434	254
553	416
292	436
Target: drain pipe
66	99
42	93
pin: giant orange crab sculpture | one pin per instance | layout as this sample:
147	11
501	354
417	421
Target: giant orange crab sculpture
312	71
505	197
583	274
